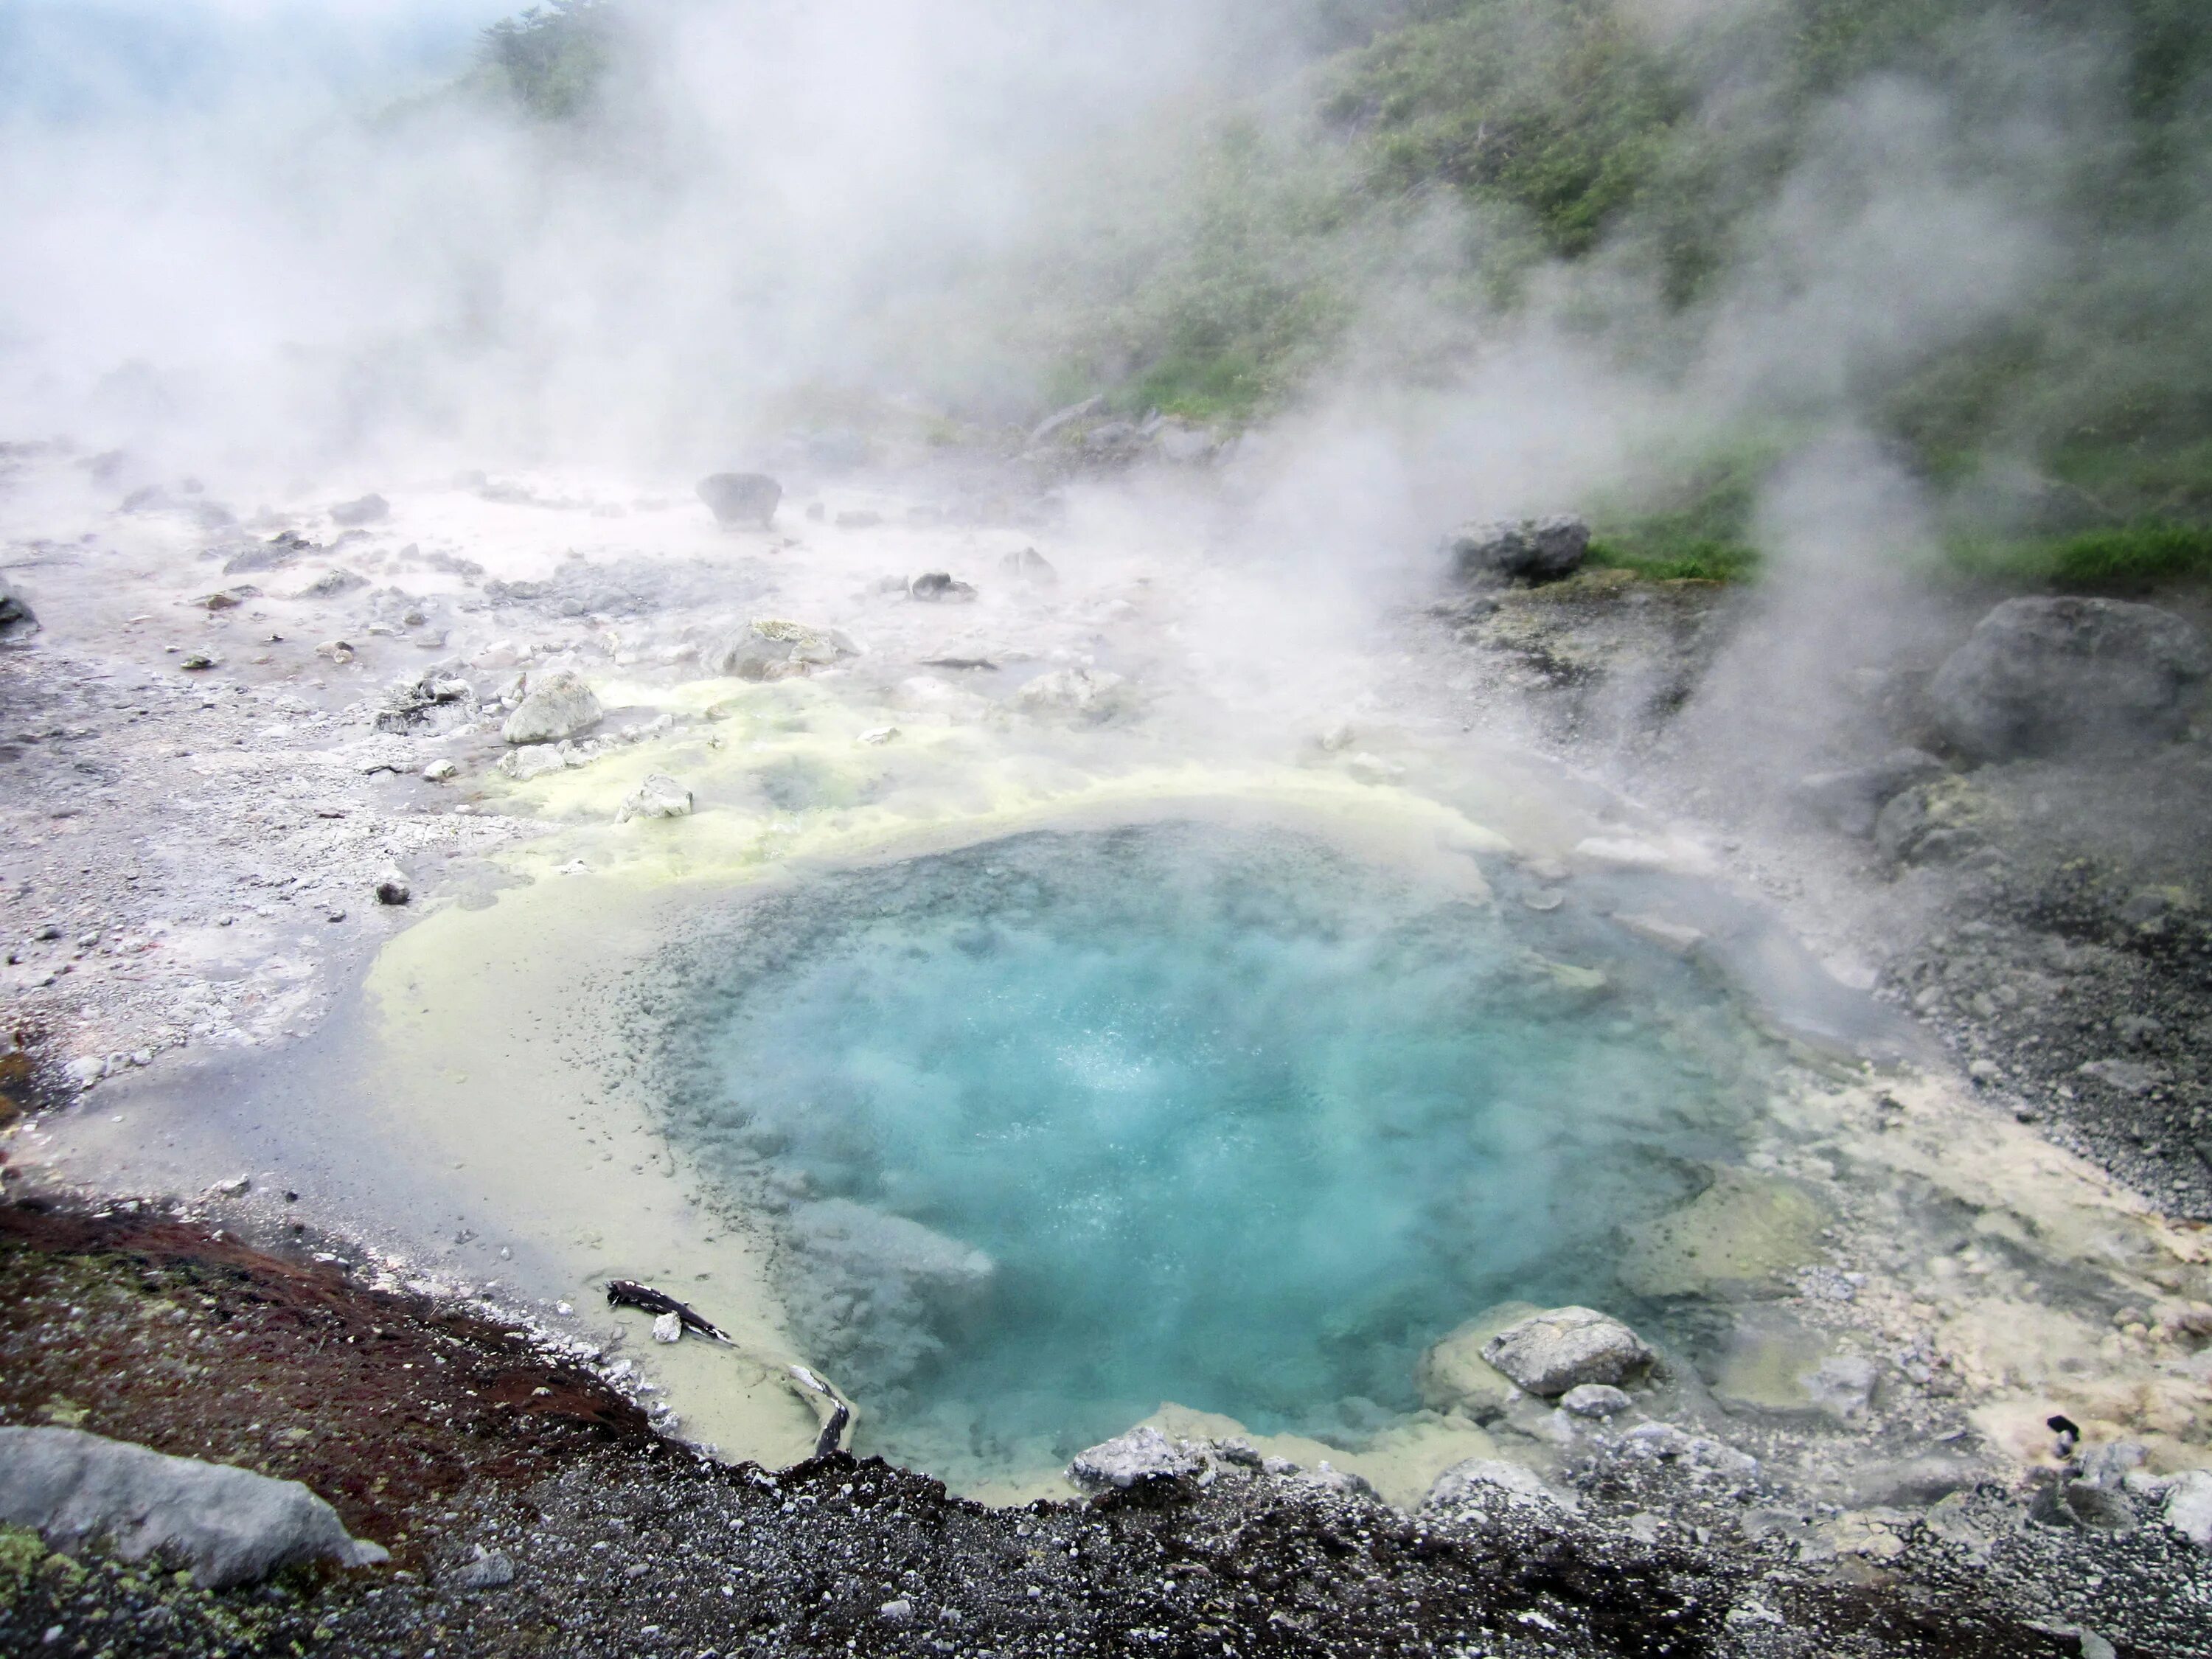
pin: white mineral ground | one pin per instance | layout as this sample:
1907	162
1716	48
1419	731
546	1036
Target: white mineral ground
429	1080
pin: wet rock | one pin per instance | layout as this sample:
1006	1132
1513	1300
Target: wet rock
659	797
1526	549
17	621
1550	1352
2049	675
773	648
365	509
936	586
1595	1399
1488	1482
560	705
232	1526
1852	800
1142	1457
741	498
1085	696
392	888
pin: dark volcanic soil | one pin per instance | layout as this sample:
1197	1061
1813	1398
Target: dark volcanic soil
530	1510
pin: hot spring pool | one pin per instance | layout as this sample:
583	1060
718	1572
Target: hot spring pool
1055	1128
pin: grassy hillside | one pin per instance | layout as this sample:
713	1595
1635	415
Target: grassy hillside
1457	164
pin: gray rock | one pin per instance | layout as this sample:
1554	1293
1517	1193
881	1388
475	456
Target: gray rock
330	584
2071	1503
1142	1457
2048	676
1060	420
772	648
392	888
1525	550
487	1570
897	1611
1086	696
936	586
1028	566
741	498
1483	1481
434	701
659	797
1663	1442
232	1525
1842	1386
281	550
17	620
1852	800
368	509
1928	824
557	706
2187	1508
1595	1399
1549	1352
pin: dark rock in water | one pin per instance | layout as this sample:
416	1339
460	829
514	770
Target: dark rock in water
368	509
742	498
232	1525
1526	549
1030	566
1852	800
17	620
936	587
2048	676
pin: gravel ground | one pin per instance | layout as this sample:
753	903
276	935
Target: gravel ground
530	1511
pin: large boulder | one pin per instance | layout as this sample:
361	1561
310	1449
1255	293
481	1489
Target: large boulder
2047	675
557	706
742	498
16	618
1522	550
1549	1352
232	1525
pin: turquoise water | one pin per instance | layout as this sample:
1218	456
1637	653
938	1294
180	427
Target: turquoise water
1066	1125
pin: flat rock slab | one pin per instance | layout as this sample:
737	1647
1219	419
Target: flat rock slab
232	1525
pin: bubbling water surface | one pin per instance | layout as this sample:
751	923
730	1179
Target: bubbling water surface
1061	1127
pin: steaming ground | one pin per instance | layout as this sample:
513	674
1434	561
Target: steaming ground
205	797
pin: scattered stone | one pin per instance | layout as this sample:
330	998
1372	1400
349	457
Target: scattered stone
742	498
897	1611
1664	1443
432	701
1527	550
879	735
232	1525
391	888
936	586
667	1328
659	797
2188	1507
17	620
195	662
560	705
440	771
365	509
1028	566
1595	1399
83	1072
1937	823
486	1570
1842	1386
1488	1480
1852	800
235	1187
279	550
1549	1352
1087	697
2046	676
2132	1078
773	648
1142	1457
337	652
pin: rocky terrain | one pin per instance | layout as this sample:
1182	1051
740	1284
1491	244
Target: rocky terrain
222	800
